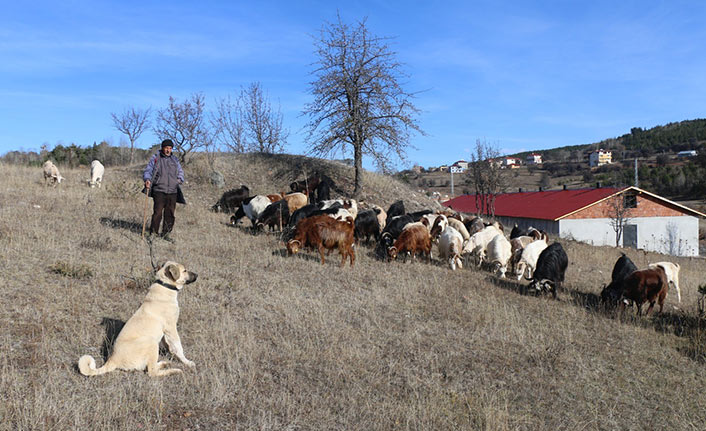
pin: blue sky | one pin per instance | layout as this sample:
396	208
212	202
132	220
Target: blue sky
520	75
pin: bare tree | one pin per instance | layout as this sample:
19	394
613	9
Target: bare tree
132	122
263	125
486	177
619	214
228	127
249	123
358	98
185	124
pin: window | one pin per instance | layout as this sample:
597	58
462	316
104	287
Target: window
630	201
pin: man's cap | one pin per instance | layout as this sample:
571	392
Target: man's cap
167	143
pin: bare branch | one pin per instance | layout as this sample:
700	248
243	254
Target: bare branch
132	123
250	123
185	124
486	177
619	214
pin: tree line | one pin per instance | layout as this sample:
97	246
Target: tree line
685	180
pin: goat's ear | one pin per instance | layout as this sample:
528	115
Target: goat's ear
172	272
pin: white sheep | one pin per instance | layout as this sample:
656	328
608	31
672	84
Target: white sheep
97	170
51	174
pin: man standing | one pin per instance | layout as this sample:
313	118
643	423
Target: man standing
162	177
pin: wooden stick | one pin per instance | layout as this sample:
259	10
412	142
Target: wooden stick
144	216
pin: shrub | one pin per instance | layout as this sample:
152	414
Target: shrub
76	271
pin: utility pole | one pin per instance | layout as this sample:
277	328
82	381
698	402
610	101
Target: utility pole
453	169
636	182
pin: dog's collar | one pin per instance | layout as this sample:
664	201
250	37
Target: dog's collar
167	285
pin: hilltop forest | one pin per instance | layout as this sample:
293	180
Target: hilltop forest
659	170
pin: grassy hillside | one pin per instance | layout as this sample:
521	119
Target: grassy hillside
286	343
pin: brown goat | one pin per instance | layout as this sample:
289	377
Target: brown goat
295	200
412	240
324	233
647	285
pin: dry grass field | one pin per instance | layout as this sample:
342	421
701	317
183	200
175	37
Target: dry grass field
284	343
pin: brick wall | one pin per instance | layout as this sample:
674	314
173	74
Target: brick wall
647	206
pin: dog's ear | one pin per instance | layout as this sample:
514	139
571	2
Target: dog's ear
172	272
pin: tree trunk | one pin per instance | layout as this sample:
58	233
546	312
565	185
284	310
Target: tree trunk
358	162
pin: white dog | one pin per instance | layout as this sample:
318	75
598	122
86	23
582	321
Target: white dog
137	345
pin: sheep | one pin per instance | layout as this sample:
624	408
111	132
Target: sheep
97	170
51	174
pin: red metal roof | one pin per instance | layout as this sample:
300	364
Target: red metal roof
546	205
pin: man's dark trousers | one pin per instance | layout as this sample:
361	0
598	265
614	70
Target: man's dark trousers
163	202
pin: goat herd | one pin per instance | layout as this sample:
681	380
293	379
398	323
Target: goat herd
328	224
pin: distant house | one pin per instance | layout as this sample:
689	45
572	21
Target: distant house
600	157
534	159
460	166
688	153
510	162
443	168
654	224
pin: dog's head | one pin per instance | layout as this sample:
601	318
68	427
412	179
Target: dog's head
175	273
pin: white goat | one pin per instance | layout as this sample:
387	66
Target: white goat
528	259
671	270
450	246
498	253
460	227
478	242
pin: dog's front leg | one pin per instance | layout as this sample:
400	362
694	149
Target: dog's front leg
171	336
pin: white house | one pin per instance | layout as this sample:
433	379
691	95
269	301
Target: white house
460	165
687	153
600	157
534	159
653	223
510	162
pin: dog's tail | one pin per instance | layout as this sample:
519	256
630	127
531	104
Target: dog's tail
87	366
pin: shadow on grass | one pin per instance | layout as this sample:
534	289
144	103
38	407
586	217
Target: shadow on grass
691	328
312	256
121	224
508	284
112	330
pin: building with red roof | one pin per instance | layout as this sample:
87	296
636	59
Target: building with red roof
653	222
534	159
